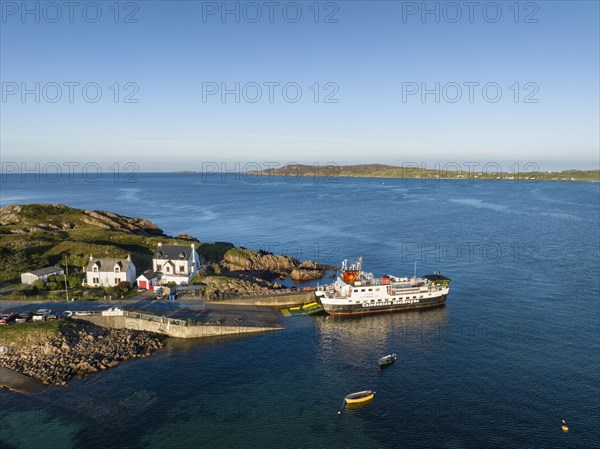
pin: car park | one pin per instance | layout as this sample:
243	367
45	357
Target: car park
41	314
7	318
23	317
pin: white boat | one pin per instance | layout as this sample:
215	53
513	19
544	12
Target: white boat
387	360
356	293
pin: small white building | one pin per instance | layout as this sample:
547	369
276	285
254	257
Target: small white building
176	263
108	272
42	274
148	280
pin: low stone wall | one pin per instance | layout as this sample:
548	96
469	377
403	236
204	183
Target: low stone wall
285	300
174	330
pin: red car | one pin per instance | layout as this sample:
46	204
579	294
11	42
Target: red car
7	318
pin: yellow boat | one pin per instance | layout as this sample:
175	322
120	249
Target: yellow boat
360	397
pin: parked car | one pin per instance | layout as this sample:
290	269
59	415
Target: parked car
159	296
67	313
52	316
7	318
83	313
41	314
23	317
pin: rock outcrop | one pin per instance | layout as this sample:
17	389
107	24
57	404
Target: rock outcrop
51	217
241	259
301	274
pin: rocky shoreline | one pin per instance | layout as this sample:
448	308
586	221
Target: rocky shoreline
82	348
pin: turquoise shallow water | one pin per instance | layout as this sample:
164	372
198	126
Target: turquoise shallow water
514	350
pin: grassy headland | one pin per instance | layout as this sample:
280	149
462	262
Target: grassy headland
37	235
33	236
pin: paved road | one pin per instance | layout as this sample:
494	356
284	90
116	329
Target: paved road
224	314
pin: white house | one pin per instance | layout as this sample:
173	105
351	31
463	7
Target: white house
148	280
42	274
176	263
108	272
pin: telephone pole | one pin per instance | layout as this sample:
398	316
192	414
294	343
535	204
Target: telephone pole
66	272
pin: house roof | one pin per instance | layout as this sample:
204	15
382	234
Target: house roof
107	264
148	275
45	271
174	252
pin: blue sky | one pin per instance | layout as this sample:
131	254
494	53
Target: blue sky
375	53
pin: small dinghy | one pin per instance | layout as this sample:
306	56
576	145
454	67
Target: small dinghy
360	397
387	360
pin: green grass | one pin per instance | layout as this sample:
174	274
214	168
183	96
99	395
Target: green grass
198	280
39	296
25	334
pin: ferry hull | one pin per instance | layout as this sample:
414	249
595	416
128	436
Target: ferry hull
358	309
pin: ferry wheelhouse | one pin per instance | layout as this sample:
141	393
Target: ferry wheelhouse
355	292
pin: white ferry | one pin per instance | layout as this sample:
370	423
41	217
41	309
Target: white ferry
355	292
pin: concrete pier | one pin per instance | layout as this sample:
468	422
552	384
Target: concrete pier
275	300
167	327
16	381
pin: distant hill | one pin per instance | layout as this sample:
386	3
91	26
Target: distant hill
391	171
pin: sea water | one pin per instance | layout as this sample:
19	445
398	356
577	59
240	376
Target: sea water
514	351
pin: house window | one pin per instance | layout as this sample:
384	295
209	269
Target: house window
116	281
116	269
168	270
95	269
94	280
182	268
158	267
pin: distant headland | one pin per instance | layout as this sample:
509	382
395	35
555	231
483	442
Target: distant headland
413	171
